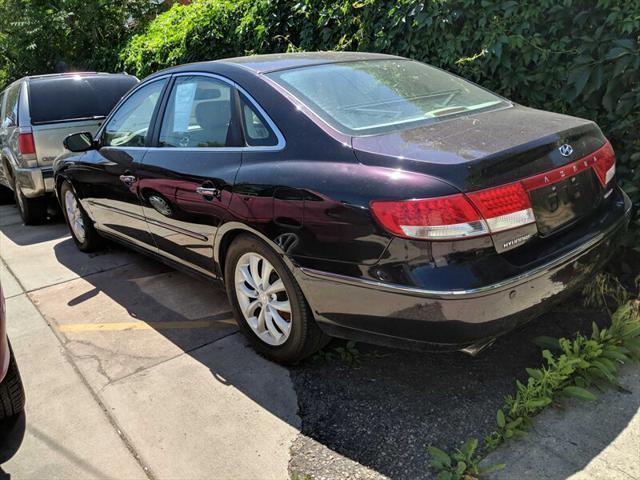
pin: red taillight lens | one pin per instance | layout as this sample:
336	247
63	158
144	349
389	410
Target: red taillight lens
485	211
504	207
438	218
26	144
604	163
457	216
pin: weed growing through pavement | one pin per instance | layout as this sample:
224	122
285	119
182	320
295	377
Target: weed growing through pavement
349	354
570	368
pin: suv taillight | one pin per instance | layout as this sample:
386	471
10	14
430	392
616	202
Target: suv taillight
26	144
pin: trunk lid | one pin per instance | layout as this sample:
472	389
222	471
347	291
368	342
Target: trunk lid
494	148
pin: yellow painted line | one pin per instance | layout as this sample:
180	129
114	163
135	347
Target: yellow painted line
139	325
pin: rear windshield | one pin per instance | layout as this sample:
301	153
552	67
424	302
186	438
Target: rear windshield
373	96
75	97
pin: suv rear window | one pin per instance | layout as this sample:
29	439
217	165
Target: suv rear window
76	97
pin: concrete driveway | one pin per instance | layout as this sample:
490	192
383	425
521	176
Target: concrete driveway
134	370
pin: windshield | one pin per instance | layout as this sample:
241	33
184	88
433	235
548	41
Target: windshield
373	96
73	97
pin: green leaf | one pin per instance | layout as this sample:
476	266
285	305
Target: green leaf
616	355
535	373
579	392
500	419
439	457
469	448
461	467
579	78
616	52
539	403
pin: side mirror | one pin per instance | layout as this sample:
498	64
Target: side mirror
79	142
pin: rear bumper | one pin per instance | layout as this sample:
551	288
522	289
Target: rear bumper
35	182
367	310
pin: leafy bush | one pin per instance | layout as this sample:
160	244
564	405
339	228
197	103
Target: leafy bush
46	36
577	57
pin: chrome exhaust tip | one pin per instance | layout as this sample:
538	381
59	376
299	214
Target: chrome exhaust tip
476	348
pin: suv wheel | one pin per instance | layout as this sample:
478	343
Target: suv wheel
32	210
268	304
80	225
11	390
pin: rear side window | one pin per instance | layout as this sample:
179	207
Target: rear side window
256	131
75	97
10	115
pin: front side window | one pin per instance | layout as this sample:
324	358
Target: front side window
129	126
198	114
372	96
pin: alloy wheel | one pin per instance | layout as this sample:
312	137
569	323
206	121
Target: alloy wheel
74	216
263	299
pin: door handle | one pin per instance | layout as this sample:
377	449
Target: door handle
208	192
128	179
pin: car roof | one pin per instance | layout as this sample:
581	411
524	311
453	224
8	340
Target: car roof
278	61
53	76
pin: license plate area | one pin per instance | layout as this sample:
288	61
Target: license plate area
563	202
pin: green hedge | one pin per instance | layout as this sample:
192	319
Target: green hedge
577	57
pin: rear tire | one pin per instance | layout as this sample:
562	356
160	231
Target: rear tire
11	390
32	210
304	336
87	240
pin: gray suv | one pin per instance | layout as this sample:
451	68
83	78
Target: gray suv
36	114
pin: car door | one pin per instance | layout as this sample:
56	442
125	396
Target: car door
186	179
110	184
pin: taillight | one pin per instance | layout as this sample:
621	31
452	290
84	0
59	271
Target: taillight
604	163
26	144
485	211
439	218
504	207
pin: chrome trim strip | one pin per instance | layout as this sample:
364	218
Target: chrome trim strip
474	292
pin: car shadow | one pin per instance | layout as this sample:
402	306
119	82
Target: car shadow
379	407
53	227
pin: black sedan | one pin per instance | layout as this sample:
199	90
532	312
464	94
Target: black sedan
354	195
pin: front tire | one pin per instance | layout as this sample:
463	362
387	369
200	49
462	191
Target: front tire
267	303
11	390
32	210
80	225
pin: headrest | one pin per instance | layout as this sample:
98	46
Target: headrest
213	114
